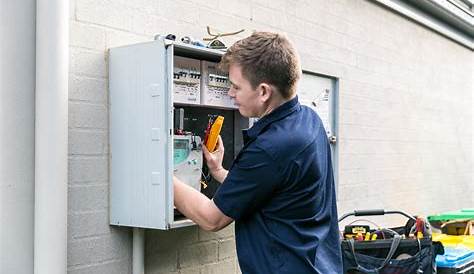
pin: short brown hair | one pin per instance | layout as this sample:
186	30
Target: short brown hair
266	57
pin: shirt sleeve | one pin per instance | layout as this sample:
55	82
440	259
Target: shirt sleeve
251	181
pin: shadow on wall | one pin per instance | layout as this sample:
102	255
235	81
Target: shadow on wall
190	248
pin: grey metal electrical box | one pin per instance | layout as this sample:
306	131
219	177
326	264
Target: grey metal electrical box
320	92
142	84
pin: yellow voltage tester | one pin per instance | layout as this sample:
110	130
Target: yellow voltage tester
212	133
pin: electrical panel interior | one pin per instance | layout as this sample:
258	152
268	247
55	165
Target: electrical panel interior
195	122
191	121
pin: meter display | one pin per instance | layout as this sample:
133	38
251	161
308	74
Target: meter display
187	159
181	151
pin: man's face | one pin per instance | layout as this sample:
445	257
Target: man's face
246	98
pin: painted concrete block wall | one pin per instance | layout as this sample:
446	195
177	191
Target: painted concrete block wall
405	123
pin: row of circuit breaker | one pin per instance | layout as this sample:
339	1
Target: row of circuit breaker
197	82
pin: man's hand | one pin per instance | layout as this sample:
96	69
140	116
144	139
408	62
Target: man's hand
214	160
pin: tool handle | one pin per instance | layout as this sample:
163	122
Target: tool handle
369	212
375	212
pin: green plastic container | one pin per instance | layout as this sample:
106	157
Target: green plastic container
463	214
454	222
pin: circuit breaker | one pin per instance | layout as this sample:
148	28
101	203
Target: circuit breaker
215	86
162	95
186	80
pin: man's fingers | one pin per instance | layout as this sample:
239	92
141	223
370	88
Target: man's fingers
220	144
205	151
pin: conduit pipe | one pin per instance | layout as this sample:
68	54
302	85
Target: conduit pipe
443	28
17	135
138	252
51	136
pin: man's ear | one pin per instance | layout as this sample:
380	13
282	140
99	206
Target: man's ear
266	92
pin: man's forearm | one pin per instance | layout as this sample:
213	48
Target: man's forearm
219	174
197	207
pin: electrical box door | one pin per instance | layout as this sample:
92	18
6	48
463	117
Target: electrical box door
140	134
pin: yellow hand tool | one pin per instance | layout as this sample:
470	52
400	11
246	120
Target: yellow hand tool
367	236
213	133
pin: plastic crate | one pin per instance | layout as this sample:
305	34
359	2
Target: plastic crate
455	260
453	241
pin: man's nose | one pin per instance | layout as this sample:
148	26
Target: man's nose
231	93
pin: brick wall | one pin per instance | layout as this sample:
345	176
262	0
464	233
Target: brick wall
405	125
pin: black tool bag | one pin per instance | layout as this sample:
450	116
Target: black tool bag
389	256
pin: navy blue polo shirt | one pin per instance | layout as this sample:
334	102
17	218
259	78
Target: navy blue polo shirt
280	192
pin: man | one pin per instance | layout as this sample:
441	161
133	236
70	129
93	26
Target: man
280	188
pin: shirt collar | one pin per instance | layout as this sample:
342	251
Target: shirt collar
277	114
